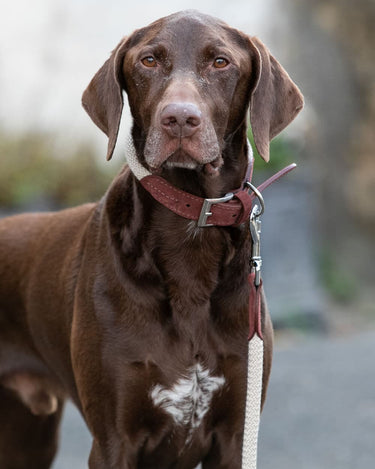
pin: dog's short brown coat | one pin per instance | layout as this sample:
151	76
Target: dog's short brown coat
103	303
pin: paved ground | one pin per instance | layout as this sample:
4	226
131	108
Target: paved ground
320	412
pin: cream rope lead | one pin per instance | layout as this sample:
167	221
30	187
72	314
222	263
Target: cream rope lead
255	346
124	148
253	403
137	169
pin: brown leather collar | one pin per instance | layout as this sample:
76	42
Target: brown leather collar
230	210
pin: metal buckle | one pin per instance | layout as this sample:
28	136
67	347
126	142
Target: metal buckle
206	209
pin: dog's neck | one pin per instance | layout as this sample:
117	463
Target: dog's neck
169	257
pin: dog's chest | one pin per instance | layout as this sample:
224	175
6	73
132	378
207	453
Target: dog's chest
189	398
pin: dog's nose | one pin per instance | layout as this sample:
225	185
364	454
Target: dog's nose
181	119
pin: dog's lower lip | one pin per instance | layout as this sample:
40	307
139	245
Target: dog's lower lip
212	168
180	159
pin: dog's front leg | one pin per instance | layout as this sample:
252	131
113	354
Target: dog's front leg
225	452
97	459
103	385
111	455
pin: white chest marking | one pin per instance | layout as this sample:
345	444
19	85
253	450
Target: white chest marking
189	399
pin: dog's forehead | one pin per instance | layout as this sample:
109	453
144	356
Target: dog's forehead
188	30
191	21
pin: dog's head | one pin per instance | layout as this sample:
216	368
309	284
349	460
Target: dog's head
190	79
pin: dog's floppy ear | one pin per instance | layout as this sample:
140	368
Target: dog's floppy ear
275	101
103	100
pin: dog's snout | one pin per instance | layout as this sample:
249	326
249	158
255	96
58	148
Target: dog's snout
181	119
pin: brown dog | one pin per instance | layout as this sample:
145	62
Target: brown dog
133	312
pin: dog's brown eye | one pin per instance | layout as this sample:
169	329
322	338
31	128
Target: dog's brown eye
149	62
220	62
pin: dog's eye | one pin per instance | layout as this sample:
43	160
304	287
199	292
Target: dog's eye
149	62
220	62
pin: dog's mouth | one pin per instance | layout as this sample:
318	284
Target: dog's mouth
181	159
201	152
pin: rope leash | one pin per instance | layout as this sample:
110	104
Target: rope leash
255	346
253	402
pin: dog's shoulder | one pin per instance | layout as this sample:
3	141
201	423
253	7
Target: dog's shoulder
19	233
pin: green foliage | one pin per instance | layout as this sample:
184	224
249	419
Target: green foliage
339	282
281	151
33	171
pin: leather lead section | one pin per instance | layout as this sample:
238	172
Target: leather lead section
255	318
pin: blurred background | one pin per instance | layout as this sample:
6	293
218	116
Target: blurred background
319	226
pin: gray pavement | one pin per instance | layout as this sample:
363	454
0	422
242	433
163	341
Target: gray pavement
320	411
